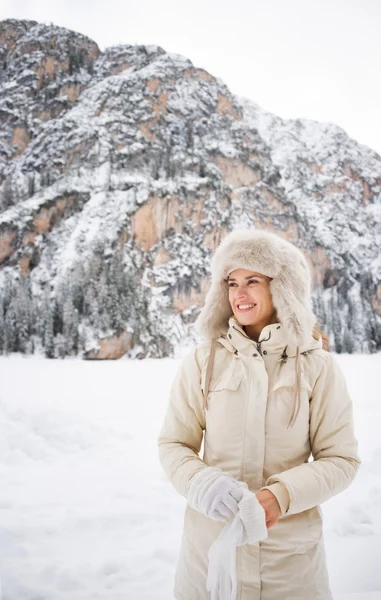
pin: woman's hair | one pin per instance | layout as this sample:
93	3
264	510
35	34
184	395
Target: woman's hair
324	338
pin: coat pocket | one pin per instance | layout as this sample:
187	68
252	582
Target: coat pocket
281	404
226	375
224	388
225	414
288	381
299	532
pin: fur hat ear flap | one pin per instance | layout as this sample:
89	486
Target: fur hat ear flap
212	321
291	300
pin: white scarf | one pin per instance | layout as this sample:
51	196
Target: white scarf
247	527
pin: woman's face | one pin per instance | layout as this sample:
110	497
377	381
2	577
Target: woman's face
251	301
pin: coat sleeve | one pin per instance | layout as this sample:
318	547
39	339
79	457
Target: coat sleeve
333	445
182	432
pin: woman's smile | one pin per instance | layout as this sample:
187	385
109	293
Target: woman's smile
245	307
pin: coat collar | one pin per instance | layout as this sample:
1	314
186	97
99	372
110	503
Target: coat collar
273	339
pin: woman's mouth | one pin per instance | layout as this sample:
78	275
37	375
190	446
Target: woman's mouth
245	307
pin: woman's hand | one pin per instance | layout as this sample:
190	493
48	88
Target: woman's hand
271	507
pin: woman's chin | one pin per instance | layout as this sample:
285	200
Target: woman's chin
245	320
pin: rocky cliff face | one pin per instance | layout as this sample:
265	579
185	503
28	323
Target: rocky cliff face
120	172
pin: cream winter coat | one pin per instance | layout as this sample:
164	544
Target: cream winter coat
245	433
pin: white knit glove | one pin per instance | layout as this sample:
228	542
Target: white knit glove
216	494
253	519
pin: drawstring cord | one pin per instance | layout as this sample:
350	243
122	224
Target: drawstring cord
297	402
297	389
209	371
259	344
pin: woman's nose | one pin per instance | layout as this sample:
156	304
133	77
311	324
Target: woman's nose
240	291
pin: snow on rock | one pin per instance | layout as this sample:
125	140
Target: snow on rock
120	172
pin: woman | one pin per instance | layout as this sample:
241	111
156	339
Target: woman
277	426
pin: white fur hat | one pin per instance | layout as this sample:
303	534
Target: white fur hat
271	255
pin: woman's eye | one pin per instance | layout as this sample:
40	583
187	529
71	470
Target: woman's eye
233	284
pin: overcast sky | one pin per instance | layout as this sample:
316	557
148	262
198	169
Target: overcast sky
317	59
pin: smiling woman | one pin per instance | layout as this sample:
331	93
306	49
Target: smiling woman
251	301
272	409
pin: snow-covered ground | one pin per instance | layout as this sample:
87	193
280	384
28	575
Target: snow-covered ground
85	510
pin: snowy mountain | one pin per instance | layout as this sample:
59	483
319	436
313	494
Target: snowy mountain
121	170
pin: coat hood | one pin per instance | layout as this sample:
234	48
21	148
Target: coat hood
270	255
